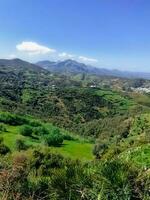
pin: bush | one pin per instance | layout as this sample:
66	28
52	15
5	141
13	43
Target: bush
99	150
26	130
20	145
4	149
54	139
68	137
118	178
34	123
2	128
41	131
12	119
1	140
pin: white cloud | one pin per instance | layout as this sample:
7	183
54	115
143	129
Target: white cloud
86	59
33	48
66	55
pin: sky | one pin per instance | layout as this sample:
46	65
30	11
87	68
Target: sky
113	34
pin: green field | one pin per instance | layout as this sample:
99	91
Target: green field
75	149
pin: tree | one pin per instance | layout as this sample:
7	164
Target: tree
41	131
26	130
54	139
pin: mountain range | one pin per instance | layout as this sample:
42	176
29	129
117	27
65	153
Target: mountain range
74	67
70	67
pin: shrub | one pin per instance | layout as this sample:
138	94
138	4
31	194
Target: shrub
2	128
54	139
46	160
39	188
118	177
13	179
20	145
68	137
26	130
4	149
12	119
41	131
99	149
34	123
1	140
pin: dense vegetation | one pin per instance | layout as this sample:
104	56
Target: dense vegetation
61	139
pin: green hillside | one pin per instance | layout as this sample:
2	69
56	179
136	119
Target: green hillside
61	139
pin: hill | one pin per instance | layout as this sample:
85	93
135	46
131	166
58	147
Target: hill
18	65
29	89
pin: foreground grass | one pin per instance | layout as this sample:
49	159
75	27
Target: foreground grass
139	156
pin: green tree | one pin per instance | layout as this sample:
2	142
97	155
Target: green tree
54	139
26	130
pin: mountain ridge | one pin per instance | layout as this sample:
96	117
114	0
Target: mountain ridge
17	65
70	67
74	67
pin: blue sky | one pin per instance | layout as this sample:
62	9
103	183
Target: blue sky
104	33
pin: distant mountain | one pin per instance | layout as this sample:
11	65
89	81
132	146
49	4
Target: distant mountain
18	65
74	67
67	66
